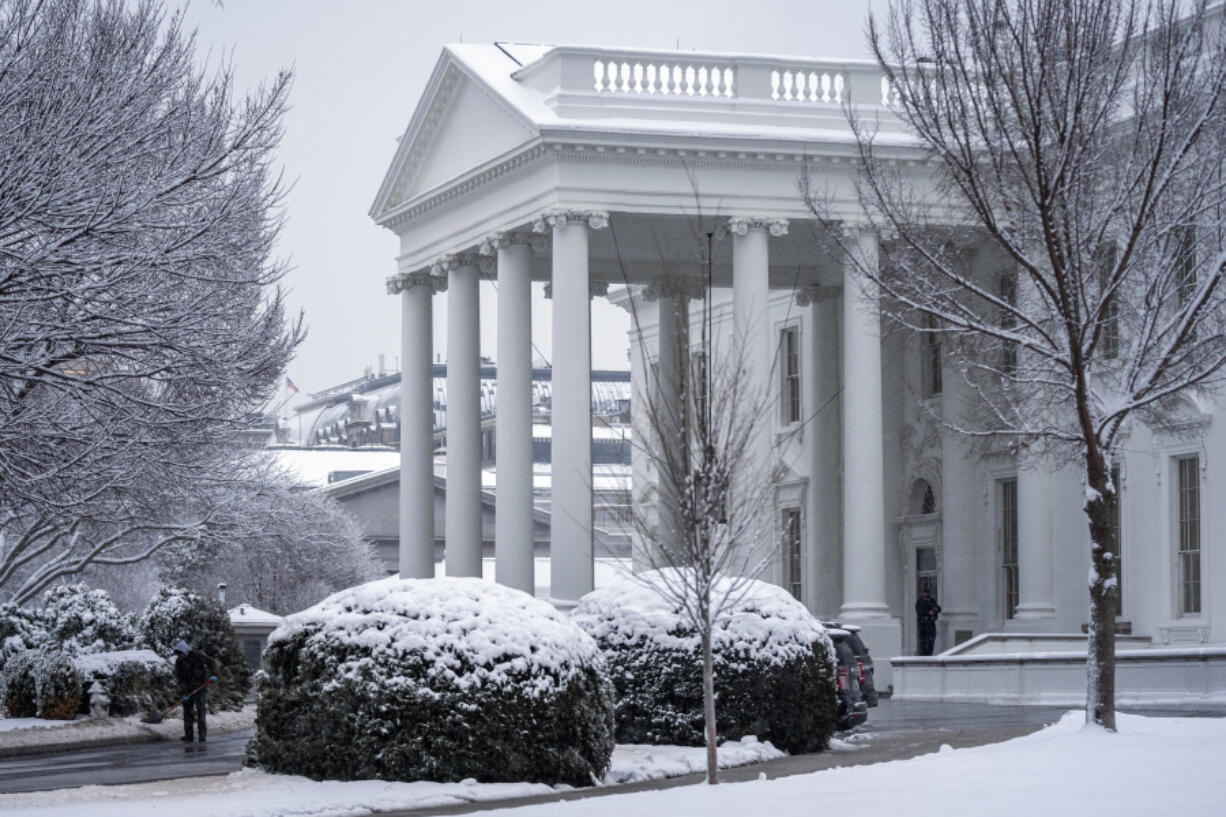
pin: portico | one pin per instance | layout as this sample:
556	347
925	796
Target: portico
601	173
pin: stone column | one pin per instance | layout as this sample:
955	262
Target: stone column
513	528
753	336
416	421
670	406
1036	611
864	534
820	384
959	555
571	469
463	510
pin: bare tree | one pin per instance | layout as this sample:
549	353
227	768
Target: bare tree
142	322
276	546
1065	241
705	524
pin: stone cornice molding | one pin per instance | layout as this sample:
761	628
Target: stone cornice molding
403	281
492	243
595	219
594	289
674	287
817	294
741	225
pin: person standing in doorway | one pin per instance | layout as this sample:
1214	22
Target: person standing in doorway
194	672
926	612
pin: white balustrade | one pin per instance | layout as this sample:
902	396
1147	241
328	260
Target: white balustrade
808	86
612	75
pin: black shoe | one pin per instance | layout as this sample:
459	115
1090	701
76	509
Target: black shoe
202	738
186	739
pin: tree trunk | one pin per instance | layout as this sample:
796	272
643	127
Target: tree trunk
708	707
1104	590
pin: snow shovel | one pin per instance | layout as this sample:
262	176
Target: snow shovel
158	717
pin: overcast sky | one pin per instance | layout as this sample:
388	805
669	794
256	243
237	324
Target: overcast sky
360	68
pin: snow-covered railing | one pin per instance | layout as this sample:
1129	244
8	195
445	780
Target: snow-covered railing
613	75
574	73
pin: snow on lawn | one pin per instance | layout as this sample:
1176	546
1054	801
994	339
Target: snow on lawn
251	793
15	724
1153	766
31	733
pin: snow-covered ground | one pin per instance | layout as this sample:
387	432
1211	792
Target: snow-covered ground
251	793
1153	766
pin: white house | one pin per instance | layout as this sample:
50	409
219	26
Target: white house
586	168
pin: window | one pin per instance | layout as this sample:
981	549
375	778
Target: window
1007	534
793	563
1188	520
1116	534
1110	332
930	361
1007	290
1185	272
789	396
926	571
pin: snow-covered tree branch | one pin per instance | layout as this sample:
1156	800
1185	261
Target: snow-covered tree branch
140	317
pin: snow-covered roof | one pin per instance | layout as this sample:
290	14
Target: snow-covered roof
245	614
313	466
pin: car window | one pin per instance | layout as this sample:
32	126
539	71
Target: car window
857	645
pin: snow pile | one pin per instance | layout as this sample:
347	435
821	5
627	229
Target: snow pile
774	665
635	762
409	679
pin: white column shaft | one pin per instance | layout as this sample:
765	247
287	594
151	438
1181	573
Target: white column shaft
669	409
571	469
751	323
819	379
513	528
959	559
416	433
463	516
1034	547
864	593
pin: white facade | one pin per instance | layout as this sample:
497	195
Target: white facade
588	168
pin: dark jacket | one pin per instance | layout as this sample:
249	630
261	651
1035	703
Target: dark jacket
192	670
927	610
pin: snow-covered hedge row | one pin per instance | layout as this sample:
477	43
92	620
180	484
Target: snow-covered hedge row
202	621
440	679
774	665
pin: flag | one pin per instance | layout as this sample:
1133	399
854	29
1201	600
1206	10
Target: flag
289	384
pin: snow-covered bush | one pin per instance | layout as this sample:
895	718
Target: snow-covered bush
81	620
21	629
201	621
57	686
774	666
439	679
17	685
137	681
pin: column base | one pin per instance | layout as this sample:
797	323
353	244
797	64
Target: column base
1032	618
883	637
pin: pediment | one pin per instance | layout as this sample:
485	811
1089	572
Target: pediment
459	125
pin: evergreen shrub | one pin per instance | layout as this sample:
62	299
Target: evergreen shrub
440	679
774	665
137	681
201	621
57	686
81	621
17	685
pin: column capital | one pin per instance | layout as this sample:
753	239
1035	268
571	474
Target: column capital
674	287
402	281
595	219
741	225
594	289
447	262
817	294
494	242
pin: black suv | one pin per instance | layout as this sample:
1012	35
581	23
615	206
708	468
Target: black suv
852	711
868	687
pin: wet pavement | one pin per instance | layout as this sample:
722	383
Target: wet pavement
131	763
896	730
